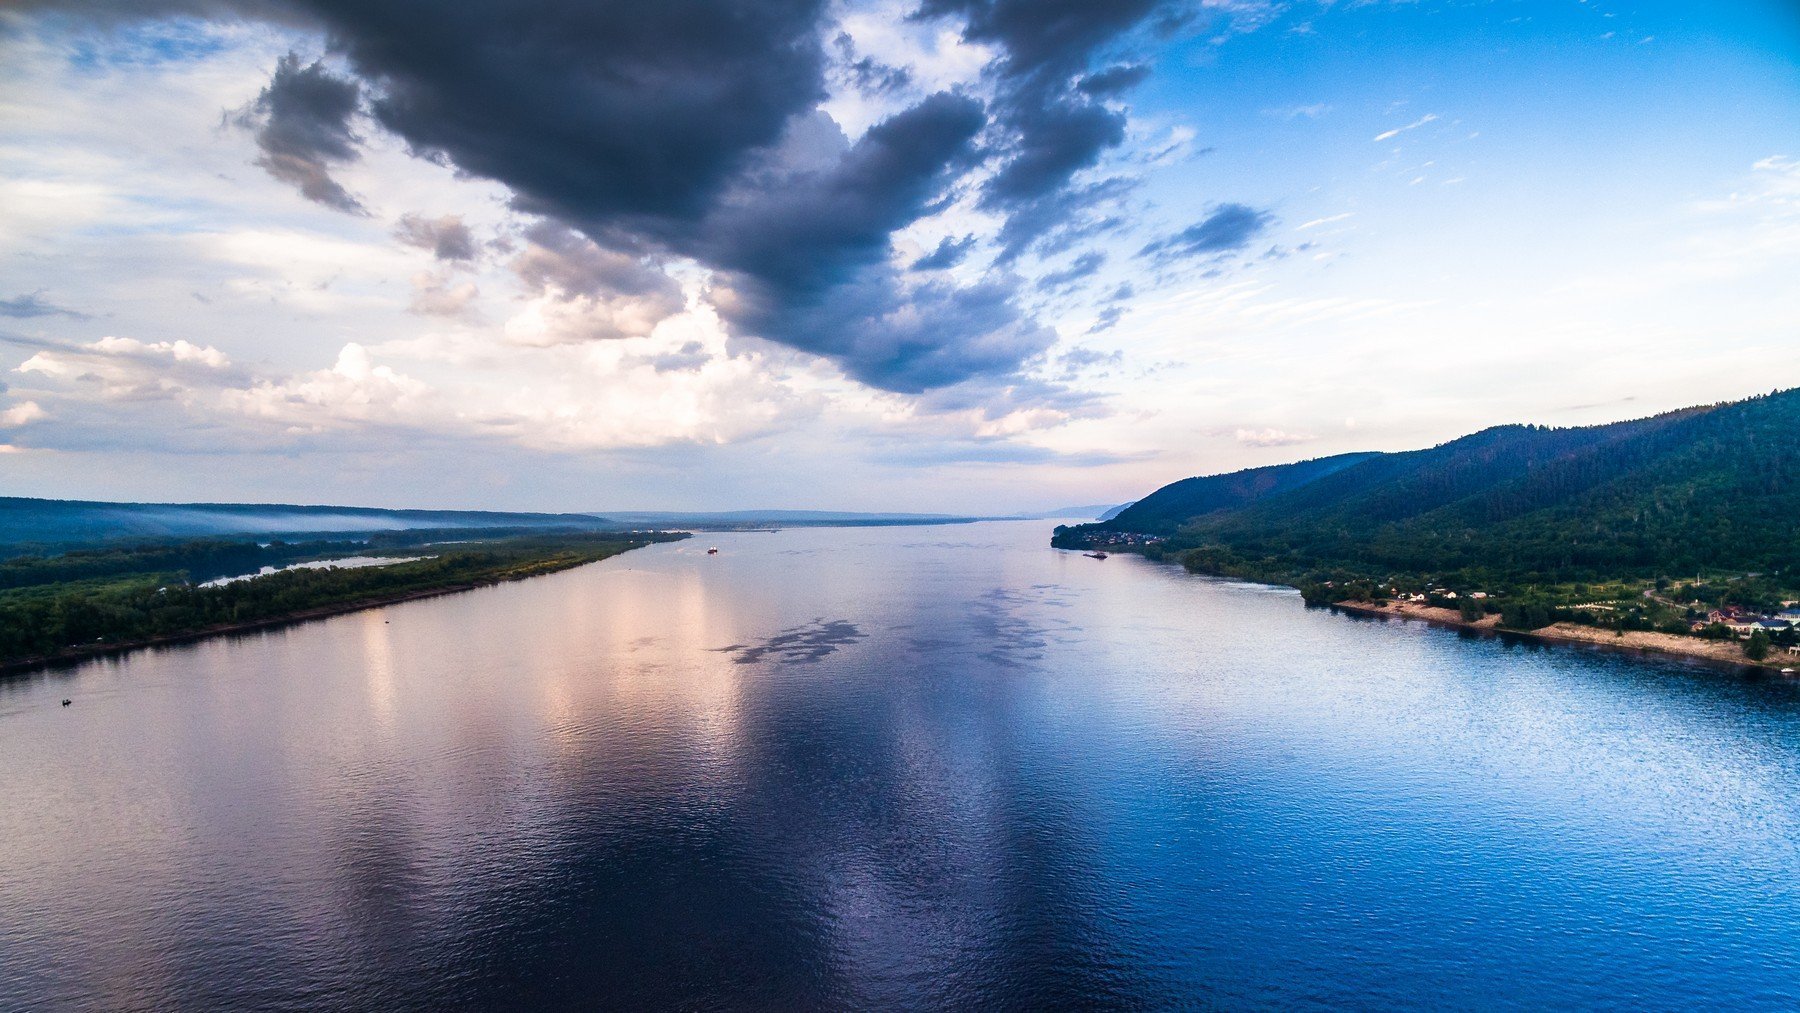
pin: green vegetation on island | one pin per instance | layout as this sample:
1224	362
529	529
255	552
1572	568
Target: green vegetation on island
68	604
1686	522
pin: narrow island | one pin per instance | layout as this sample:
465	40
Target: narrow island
76	602
1675	534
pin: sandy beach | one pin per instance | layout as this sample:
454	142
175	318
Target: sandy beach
1716	652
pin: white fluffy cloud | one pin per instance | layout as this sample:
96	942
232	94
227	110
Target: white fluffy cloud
355	389
22	414
681	385
122	369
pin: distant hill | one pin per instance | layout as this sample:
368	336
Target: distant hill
46	522
53	522
1708	488
1097	512
1179	503
775	518
1116	511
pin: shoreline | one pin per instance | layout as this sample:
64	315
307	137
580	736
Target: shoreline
22	666
1713	653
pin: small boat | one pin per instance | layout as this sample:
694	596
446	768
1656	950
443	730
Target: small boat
713	551
66	703
1095	555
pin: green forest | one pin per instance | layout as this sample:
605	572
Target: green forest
59	604
1535	517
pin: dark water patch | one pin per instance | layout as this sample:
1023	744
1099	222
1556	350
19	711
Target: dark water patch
815	641
1011	627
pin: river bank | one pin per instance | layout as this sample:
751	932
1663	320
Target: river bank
86	651
512	571
1714	653
1721	653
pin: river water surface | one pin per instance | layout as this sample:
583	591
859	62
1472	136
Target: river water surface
893	767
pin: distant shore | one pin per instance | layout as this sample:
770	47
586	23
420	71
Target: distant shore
1721	653
86	651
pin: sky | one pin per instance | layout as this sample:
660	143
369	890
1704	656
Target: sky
971	256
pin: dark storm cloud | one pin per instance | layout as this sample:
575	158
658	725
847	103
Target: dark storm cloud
895	338
869	75
949	252
1050	127
875	78
1230	228
109	12
446	237
1055	141
1062	220
594	113
1034	188
301	122
1045	36
800	234
32	304
660	130
808	259
687	131
1113	80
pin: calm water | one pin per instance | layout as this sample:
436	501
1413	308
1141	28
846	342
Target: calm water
903	767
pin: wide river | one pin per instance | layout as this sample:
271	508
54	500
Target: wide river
893	767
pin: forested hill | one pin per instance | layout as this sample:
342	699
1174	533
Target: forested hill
1167	509
1710	488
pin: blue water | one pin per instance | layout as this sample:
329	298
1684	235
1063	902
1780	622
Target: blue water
898	767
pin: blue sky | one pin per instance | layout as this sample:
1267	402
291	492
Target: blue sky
228	273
